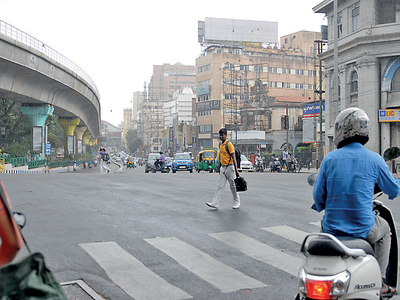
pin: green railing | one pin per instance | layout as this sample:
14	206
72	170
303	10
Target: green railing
7	158
20	161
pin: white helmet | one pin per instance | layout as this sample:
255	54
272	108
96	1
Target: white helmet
351	125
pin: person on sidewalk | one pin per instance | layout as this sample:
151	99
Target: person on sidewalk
227	171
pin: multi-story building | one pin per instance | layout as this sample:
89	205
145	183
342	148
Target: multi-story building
244	87
180	109
166	80
112	133
127	122
368	39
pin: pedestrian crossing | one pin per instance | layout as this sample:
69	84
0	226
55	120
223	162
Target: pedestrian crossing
141	283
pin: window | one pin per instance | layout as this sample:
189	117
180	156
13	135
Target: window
283	71
339	27
284	122
258	68
354	82
355	15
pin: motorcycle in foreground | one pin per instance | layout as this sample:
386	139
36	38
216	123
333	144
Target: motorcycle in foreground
345	267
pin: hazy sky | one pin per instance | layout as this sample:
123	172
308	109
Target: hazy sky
117	42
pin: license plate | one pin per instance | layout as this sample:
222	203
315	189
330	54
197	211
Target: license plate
182	167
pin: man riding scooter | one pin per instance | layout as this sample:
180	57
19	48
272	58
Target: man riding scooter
344	188
160	161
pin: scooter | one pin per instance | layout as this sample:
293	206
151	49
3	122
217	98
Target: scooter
344	267
75	166
259	166
163	168
90	164
277	165
95	162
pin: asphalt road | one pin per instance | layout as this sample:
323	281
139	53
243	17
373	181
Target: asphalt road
150	236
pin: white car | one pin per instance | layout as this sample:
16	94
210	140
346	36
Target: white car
245	164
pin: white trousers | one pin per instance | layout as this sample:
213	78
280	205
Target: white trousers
226	173
103	165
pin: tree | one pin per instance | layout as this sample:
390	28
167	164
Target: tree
132	140
16	124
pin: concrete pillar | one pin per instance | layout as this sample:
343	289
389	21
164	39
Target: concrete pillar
79	130
85	139
37	115
68	124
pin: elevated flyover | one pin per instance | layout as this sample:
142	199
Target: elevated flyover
46	82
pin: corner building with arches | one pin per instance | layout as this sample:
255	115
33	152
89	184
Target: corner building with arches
368	66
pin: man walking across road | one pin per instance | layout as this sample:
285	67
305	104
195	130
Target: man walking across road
227	172
103	160
284	159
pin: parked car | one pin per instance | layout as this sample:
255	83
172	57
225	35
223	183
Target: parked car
151	159
182	162
245	164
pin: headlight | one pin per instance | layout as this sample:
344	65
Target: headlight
323	287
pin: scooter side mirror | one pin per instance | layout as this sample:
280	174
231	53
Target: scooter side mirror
391	153
20	219
311	179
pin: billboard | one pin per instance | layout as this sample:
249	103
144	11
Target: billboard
214	30
311	110
308	130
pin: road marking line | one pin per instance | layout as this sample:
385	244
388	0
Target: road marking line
130	274
260	251
318	223
203	265
287	232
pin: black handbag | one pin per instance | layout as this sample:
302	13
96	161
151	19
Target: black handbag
28	279
241	184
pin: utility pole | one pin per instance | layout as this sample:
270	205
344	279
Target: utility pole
320	92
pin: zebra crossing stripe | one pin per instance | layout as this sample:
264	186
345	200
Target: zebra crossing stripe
130	274
260	251
287	232
225	278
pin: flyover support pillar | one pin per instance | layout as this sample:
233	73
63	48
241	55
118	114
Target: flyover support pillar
79	130
85	140
69	124
37	115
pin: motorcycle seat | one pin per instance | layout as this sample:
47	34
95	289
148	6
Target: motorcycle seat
324	246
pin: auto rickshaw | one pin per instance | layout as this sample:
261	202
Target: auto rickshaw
130	162
205	160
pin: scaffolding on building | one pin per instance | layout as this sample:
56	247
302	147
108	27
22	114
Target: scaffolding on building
245	97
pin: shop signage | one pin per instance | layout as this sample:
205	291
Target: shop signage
389	115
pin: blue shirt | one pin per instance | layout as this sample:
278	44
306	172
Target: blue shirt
345	186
